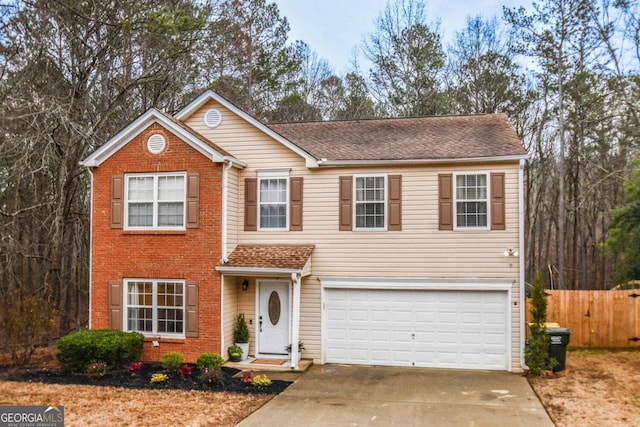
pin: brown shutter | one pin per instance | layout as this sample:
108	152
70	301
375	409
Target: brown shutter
295	204
345	209
193	200
192	310
115	304
497	201
445	201
250	204
117	201
395	203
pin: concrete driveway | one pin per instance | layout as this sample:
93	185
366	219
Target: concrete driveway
341	395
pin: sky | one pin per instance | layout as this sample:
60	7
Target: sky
334	28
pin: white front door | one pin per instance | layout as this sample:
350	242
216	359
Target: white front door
273	317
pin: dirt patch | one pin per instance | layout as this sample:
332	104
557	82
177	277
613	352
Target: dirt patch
598	387
120	398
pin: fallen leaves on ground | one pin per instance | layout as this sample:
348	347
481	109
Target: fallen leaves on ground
598	388
99	406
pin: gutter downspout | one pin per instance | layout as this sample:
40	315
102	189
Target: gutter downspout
225	207
521	261
225	226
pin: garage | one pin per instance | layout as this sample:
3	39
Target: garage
464	329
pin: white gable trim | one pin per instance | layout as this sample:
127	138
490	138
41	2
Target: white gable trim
211	95
152	116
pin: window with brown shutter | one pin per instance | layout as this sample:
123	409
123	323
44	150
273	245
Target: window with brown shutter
395	203
117	201
250	204
497	202
192	310
345	203
445	201
115	304
193	200
295	203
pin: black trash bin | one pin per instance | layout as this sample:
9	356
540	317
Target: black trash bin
558	342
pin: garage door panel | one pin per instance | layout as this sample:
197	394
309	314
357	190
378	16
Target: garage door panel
447	329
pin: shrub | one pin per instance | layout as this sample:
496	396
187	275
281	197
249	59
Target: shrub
185	370
247	376
172	360
97	370
135	368
212	377
26	323
78	350
261	381
159	378
536	354
241	330
210	361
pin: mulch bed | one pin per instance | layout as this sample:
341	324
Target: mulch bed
142	380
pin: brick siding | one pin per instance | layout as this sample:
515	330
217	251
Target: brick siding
190	255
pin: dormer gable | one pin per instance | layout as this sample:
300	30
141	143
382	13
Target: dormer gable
201	144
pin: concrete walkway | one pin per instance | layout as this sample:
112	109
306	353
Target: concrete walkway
338	395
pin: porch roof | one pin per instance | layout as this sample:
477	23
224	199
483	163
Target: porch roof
268	259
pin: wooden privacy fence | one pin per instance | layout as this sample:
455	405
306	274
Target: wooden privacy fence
596	318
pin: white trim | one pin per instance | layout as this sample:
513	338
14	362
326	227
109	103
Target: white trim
154	305
355	202
90	246
211	95
521	262
258	271
222	286
273	175
448	284
150	117
404	162
487	175
155	201
294	355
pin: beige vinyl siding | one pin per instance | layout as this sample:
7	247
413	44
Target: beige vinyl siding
247	305
420	250
229	311
233	220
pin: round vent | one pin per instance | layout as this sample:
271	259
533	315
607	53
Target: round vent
213	118
156	143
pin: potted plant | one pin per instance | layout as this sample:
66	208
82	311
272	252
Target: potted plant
235	353
241	335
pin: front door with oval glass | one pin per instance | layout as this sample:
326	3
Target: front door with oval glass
273	317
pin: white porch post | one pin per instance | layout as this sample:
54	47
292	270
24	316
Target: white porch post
295	321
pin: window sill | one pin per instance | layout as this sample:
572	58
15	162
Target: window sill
171	340
154	232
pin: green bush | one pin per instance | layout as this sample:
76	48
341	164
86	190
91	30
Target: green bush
172	360
536	354
241	330
210	361
78	350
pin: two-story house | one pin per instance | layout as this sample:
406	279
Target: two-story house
386	241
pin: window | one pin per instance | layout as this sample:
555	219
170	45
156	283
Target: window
471	201
155	307
155	201
273	196
370	202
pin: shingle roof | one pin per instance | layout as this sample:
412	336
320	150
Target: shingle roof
424	138
287	257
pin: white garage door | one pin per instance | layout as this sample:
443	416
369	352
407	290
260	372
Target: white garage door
440	329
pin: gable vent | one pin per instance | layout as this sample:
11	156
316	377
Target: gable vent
213	118
156	143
